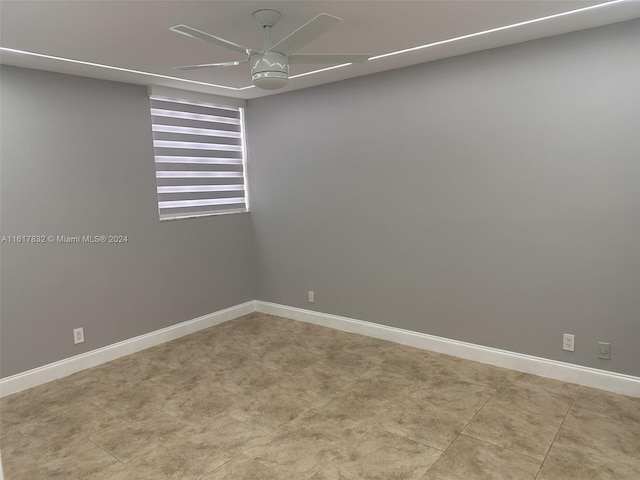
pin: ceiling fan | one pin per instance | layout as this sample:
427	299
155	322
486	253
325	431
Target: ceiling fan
270	65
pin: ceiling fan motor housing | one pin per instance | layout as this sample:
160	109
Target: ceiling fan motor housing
269	70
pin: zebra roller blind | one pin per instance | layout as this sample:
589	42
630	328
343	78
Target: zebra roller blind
199	156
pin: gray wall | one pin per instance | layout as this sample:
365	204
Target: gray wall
492	198
77	159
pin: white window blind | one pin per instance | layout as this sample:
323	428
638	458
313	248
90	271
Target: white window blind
199	156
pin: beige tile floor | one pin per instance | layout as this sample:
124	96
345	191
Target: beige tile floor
267	398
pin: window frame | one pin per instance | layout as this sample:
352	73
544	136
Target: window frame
198	99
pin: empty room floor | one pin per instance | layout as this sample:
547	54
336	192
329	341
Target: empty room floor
262	397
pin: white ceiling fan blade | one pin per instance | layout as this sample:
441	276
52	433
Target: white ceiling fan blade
207	65
328	59
306	34
207	37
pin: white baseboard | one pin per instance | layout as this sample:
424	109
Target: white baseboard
591	377
62	368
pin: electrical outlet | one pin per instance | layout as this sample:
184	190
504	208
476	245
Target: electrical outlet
311	297
604	350
568	341
78	335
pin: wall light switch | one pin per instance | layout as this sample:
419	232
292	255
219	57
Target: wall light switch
604	350
78	335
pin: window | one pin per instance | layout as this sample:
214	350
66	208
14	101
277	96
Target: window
199	157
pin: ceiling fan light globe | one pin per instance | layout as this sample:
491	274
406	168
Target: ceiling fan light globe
270	80
269	70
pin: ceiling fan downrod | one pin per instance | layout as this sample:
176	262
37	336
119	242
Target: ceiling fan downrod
269	70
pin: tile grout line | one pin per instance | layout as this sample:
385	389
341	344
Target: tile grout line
106	451
474	416
223	464
42	448
465	426
491	443
502	447
558	432
322	467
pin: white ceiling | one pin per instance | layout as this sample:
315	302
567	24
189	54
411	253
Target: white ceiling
135	35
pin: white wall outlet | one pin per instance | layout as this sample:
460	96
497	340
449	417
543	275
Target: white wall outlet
311	297
568	342
78	335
